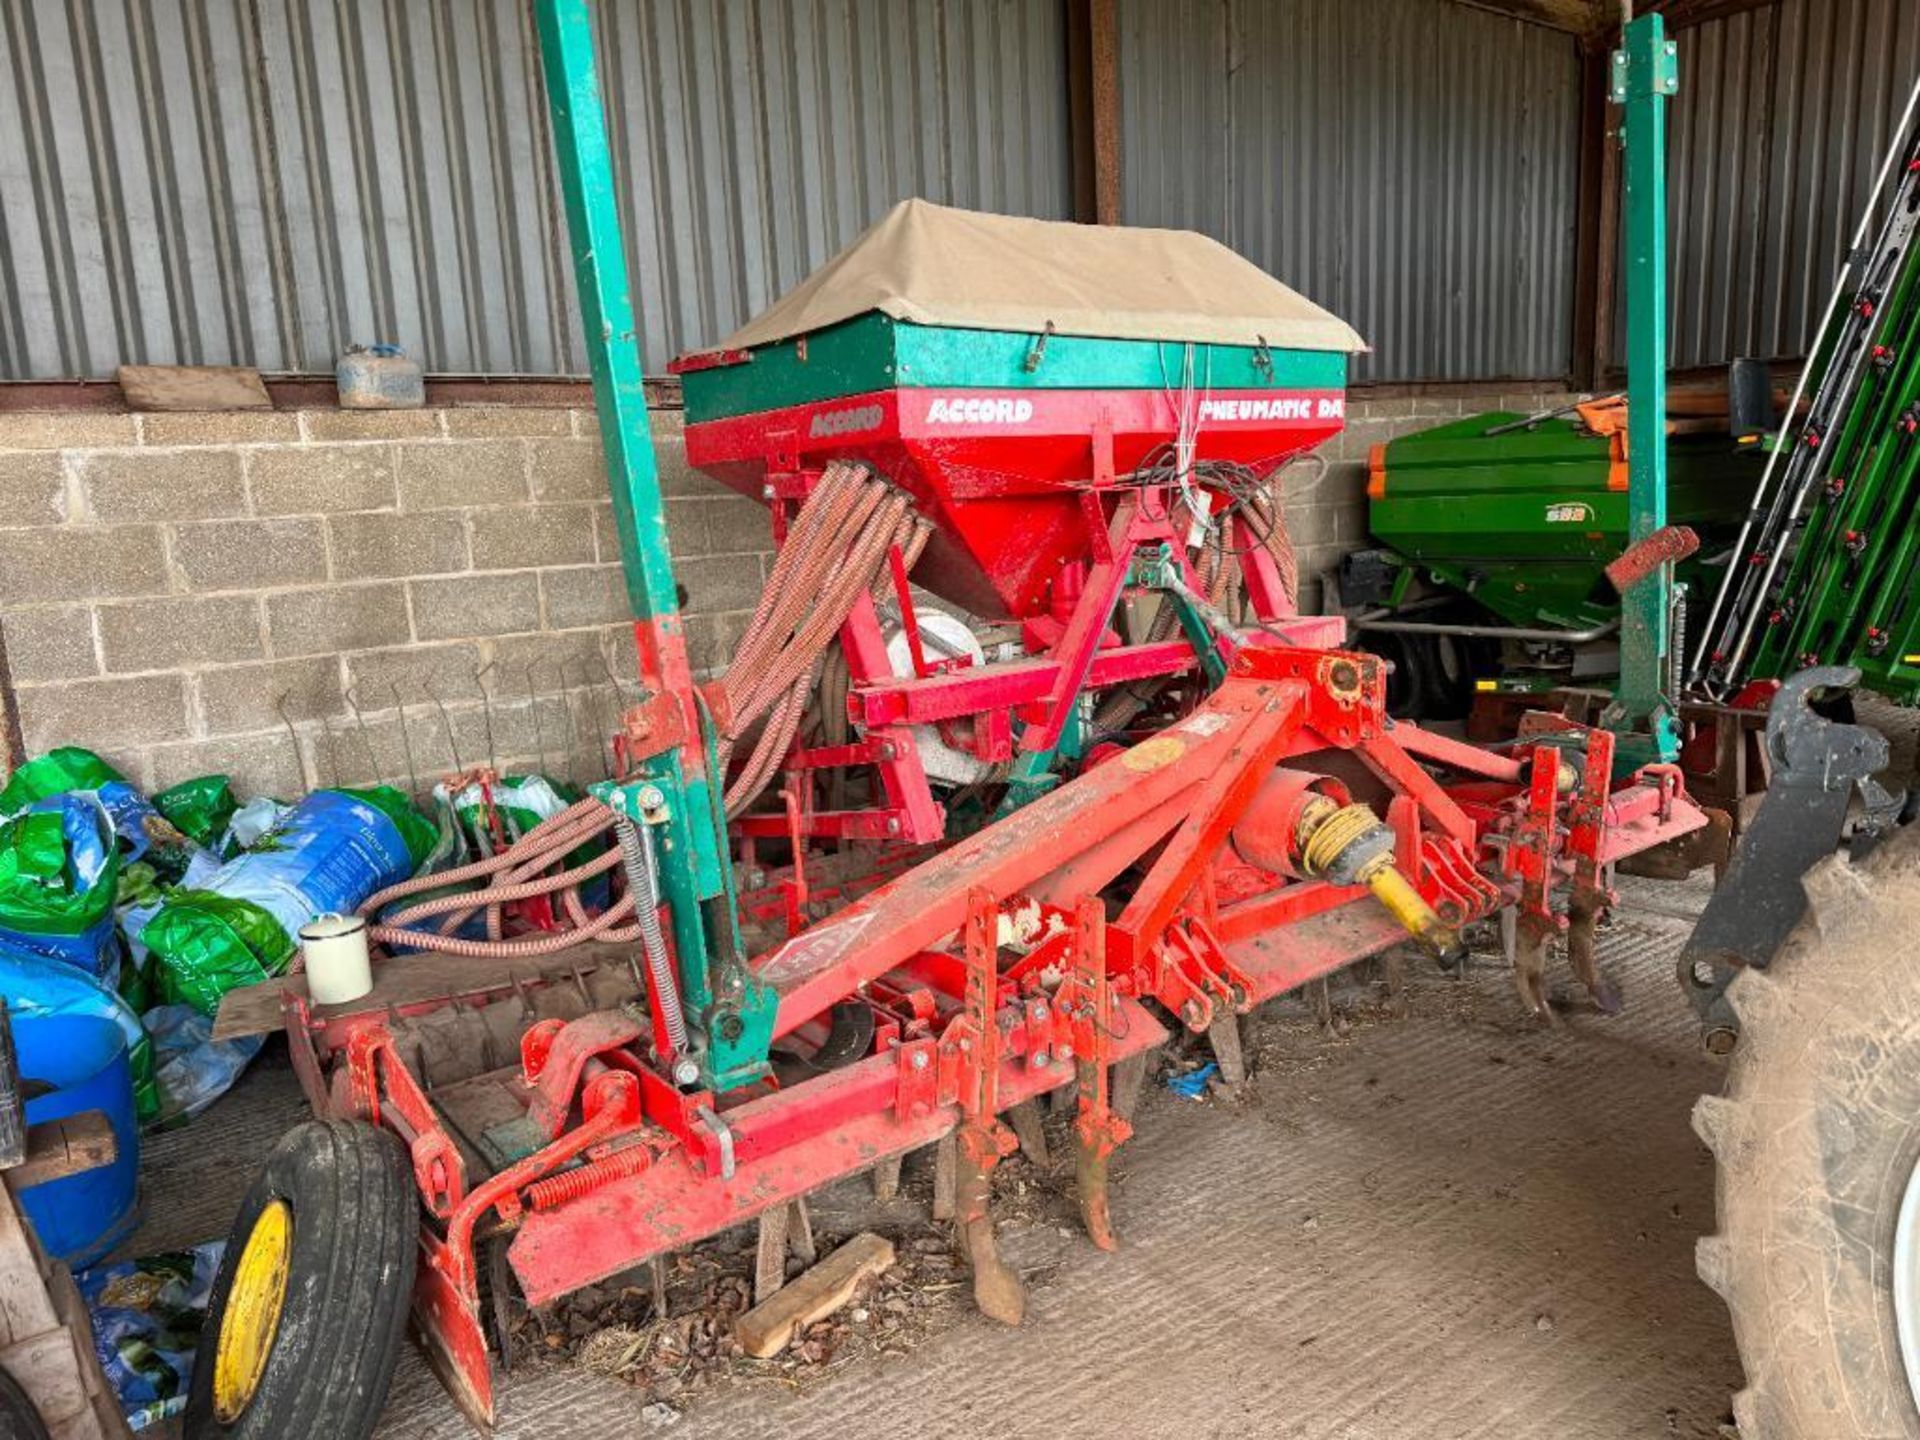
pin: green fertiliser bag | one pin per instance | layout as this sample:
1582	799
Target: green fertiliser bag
59	873
205	944
328	854
200	808
55	773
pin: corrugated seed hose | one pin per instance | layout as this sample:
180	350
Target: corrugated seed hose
835	551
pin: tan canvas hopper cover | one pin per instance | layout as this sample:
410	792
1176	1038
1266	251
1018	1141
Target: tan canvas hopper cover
933	265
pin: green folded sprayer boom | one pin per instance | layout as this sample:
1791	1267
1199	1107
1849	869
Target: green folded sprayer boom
1823	572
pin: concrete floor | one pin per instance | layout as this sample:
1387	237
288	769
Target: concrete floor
1446	1225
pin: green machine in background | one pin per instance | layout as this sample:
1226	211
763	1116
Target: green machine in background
1521	521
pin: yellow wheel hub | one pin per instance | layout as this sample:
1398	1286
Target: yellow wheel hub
252	1317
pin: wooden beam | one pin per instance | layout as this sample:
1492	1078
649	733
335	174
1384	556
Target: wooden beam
1589	239
1606	299
1683	14
1093	97
1576	17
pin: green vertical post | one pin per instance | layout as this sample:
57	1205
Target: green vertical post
1646	75
730	1014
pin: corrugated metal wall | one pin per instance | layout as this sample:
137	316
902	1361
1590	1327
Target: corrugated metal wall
1409	164
264	181
1782	117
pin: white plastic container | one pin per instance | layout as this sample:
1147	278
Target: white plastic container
334	948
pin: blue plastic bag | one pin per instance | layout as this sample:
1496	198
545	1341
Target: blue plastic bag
191	1068
146	1316
1194	1083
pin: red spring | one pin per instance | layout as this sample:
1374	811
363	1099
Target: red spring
570	1185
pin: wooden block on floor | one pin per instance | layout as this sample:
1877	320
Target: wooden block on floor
765	1330
59	1148
193	387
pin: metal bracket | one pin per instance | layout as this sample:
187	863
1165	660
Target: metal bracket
1819	765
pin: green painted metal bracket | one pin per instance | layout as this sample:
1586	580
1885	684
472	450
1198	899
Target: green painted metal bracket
1646	75
730	1012
1199	622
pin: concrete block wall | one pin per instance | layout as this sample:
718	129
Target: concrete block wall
401	589
273	594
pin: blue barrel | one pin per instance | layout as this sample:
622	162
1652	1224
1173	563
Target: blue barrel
83	1217
379	377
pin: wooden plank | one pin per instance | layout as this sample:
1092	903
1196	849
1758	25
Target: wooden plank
1577	17
25	1309
46	1367
1684	14
404	980
68	1146
765	1330
193	387
13	1112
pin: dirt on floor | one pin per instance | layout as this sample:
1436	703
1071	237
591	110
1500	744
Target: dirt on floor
1431	1218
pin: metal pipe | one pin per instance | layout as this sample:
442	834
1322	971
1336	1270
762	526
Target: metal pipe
1489	632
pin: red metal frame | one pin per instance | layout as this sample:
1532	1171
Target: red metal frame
1059	559
630	1166
1035	525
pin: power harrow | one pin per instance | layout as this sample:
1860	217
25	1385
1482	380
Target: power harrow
897	872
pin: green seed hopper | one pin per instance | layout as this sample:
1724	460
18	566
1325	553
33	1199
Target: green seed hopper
1524	521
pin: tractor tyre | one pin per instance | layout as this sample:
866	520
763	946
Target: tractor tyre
311	1300
1817	1137
18	1418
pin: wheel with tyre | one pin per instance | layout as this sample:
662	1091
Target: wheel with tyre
18	1419
1817	1139
1411	661
311	1300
